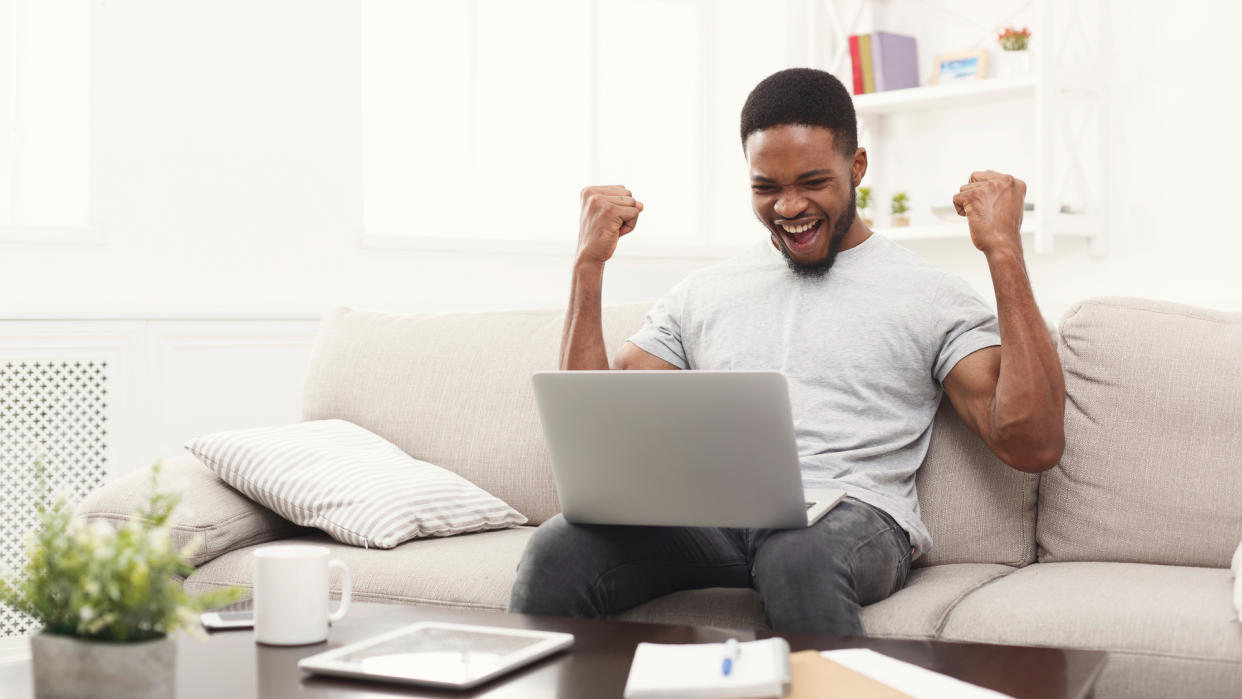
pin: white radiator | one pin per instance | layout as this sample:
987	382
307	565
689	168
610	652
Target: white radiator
56	411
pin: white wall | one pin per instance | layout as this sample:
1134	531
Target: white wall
226	160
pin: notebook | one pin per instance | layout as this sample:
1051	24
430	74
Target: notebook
695	670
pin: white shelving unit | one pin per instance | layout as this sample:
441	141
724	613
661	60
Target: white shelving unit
1065	90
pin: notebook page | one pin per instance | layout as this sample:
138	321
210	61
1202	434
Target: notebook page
694	670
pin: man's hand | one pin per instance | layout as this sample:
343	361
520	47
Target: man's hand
608	212
992	204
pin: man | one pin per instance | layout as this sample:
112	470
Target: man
868	336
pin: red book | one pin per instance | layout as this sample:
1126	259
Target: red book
856	62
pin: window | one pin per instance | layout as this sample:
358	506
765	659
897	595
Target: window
477	135
44	120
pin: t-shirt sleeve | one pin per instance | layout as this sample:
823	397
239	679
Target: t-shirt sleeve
964	324
661	331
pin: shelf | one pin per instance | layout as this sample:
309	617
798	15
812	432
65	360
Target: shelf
1065	224
939	96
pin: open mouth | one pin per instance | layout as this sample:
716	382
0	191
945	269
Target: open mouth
801	236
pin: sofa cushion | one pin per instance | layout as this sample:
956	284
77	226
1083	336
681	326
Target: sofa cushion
356	486
1153	420
977	508
917	611
451	389
211	512
1156	622
920	609
468	571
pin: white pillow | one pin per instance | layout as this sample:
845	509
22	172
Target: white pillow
355	485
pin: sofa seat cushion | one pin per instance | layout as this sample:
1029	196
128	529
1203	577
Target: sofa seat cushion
920	609
917	611
467	571
1160	624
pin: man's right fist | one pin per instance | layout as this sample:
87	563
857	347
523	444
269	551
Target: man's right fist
608	212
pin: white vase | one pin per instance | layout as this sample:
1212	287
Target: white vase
72	668
1013	64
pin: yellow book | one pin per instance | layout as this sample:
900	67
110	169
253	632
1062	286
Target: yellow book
868	69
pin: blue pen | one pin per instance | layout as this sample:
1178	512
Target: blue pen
732	650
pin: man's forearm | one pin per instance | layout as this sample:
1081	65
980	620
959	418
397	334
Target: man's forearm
1028	409
582	345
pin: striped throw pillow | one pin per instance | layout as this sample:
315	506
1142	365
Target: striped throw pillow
355	485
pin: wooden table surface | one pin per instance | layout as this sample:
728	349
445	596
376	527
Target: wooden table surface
231	664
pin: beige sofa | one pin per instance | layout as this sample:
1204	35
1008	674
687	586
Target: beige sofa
1123	547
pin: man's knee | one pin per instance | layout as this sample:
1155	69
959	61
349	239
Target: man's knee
555	572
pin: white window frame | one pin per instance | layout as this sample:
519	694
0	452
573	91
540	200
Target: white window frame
799	42
12	233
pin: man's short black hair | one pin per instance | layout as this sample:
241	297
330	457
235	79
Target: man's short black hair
803	96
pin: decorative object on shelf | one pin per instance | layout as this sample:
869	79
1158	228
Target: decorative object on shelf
863	203
964	65
1014	59
900	207
883	61
108	599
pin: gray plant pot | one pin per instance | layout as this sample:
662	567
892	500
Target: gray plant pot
70	668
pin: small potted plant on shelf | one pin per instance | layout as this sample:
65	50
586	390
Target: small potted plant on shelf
108	599
1014	59
900	208
864	206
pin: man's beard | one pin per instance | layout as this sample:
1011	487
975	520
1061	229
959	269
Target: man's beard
817	270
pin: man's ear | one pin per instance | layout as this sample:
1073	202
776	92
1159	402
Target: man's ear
859	166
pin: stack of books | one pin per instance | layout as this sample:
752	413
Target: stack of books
884	61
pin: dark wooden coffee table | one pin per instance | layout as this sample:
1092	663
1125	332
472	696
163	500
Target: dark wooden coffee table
231	664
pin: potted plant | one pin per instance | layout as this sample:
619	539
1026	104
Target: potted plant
864	206
900	208
1014	59
108	598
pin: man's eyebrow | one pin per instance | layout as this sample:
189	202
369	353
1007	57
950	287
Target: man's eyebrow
803	176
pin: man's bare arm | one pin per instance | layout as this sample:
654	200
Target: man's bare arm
582	344
1012	396
608	213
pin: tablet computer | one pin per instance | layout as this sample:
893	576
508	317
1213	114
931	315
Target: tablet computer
438	654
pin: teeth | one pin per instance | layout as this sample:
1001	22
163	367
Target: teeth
799	229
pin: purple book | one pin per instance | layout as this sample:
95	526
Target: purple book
896	61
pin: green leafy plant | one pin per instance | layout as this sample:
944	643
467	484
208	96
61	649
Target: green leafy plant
96	582
900	204
864	198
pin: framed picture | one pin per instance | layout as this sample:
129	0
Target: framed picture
955	67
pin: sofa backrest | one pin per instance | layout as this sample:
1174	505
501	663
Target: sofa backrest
451	389
1152	470
976	508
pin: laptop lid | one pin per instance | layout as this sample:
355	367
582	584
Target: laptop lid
680	448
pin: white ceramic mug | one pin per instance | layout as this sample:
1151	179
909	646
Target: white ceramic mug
291	594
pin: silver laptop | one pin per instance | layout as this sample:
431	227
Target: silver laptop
679	448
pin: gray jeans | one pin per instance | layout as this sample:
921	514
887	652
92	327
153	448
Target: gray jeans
813	579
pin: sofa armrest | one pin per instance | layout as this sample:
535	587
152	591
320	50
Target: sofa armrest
220	518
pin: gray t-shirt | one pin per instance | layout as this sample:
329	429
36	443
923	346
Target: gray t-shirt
864	349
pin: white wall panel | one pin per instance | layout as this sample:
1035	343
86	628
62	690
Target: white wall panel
224	375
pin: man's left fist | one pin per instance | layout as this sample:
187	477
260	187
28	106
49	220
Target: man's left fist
992	204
